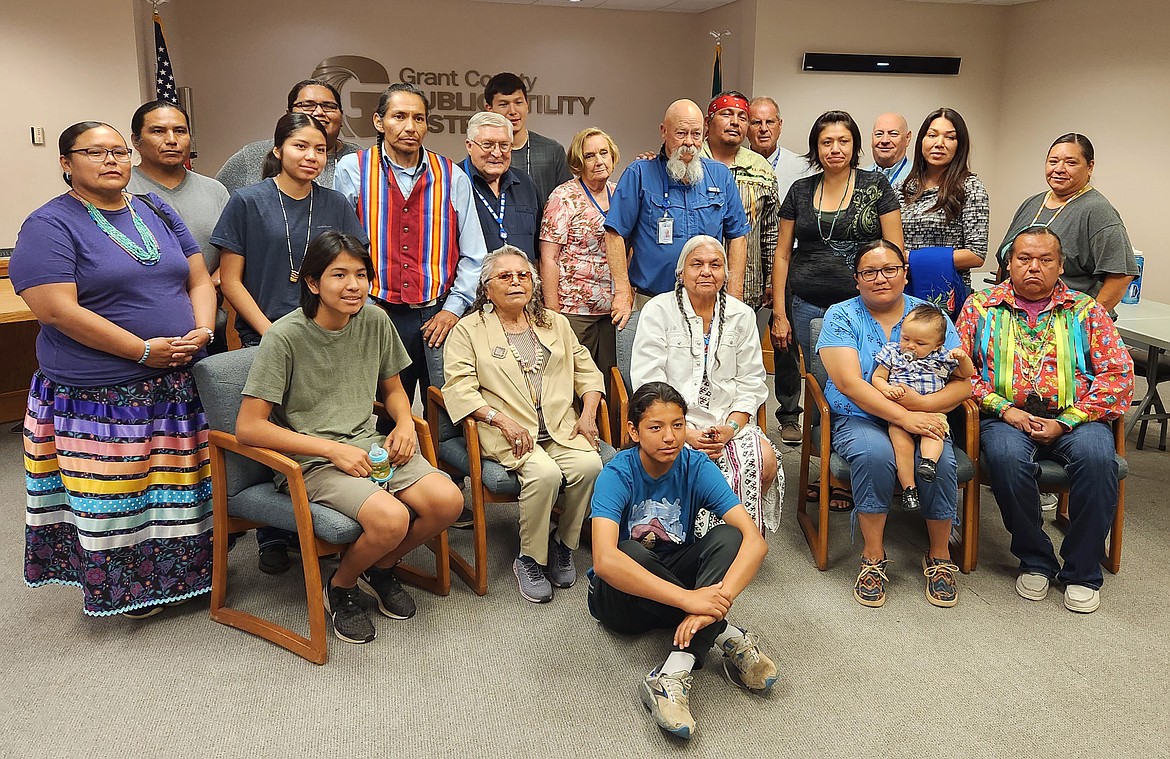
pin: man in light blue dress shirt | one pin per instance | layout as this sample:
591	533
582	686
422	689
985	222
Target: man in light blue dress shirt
891	138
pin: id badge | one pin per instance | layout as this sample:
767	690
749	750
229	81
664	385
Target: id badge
665	230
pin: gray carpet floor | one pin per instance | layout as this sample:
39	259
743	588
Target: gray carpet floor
995	676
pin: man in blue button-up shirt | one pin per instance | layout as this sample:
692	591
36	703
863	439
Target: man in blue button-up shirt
661	203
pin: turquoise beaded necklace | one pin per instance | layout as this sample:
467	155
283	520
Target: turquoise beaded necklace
147	256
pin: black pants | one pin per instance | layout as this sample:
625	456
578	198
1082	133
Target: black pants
698	565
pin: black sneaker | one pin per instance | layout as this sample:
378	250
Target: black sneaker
926	469
350	621
910	500
274	559
465	521
383	584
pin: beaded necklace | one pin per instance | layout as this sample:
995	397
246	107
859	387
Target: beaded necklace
294	272
531	370
147	256
1032	344
827	239
1044	204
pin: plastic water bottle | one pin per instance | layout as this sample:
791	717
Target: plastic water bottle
1133	293
383	470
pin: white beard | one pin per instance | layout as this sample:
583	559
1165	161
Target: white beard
689	173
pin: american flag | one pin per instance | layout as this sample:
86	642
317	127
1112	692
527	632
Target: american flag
164	77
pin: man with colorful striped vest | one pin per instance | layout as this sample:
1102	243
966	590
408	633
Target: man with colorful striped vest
425	237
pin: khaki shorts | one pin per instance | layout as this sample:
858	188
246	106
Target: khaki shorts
329	486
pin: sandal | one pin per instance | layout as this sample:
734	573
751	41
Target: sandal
836	495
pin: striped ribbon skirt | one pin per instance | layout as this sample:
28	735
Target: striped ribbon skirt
119	491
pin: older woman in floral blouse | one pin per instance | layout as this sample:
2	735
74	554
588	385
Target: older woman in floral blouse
576	276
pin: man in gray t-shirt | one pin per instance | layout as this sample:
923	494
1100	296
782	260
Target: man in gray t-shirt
312	97
160	134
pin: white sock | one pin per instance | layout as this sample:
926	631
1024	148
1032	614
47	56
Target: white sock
678	661
731	631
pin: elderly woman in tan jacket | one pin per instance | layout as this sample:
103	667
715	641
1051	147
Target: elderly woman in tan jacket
516	368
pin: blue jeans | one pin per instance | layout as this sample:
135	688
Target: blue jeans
866	445
1009	458
803	313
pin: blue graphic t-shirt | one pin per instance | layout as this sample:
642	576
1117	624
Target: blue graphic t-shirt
665	506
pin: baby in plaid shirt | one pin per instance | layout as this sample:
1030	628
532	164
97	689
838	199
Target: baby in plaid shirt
918	362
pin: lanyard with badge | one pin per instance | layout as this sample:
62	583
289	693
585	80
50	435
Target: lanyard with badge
499	217
666	223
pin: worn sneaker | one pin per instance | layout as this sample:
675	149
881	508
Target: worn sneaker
145	612
1048	501
666	697
350	621
791	433
927	469
1081	598
1032	586
942	587
910	500
383	584
870	588
562	573
274	559
746	666
534	586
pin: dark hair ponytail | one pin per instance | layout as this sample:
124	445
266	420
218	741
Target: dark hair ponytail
286	127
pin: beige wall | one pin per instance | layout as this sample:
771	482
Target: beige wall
37	47
632	63
1104	70
785	31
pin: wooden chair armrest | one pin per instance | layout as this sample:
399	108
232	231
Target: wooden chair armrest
426	443
603	427
815	397
279	462
617	391
1119	435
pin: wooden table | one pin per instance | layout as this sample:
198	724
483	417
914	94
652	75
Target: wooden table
18	338
1147	323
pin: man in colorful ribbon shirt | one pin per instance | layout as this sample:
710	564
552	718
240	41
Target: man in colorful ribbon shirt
660	204
1051	371
425	237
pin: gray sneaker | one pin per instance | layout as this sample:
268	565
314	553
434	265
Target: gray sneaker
562	573
383	584
667	697
747	666
534	586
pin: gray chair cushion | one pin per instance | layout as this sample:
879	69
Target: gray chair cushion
1052	474
447	429
264	503
220	380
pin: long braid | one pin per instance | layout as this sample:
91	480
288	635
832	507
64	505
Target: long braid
678	296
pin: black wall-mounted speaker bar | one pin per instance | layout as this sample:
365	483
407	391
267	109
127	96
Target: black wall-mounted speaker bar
882	64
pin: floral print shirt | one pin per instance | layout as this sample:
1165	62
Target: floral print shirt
1071	360
571	220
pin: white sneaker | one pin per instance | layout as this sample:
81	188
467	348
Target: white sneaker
1048	501
1081	599
1032	586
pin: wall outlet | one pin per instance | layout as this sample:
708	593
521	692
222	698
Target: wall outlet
38	135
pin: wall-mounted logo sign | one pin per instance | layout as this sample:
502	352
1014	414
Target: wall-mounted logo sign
453	97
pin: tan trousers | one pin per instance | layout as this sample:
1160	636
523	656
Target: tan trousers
540	482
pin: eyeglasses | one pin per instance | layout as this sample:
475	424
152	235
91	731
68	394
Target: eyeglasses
887	272
308	106
98	155
508	276
491	147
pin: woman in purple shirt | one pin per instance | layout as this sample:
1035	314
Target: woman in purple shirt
119	487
